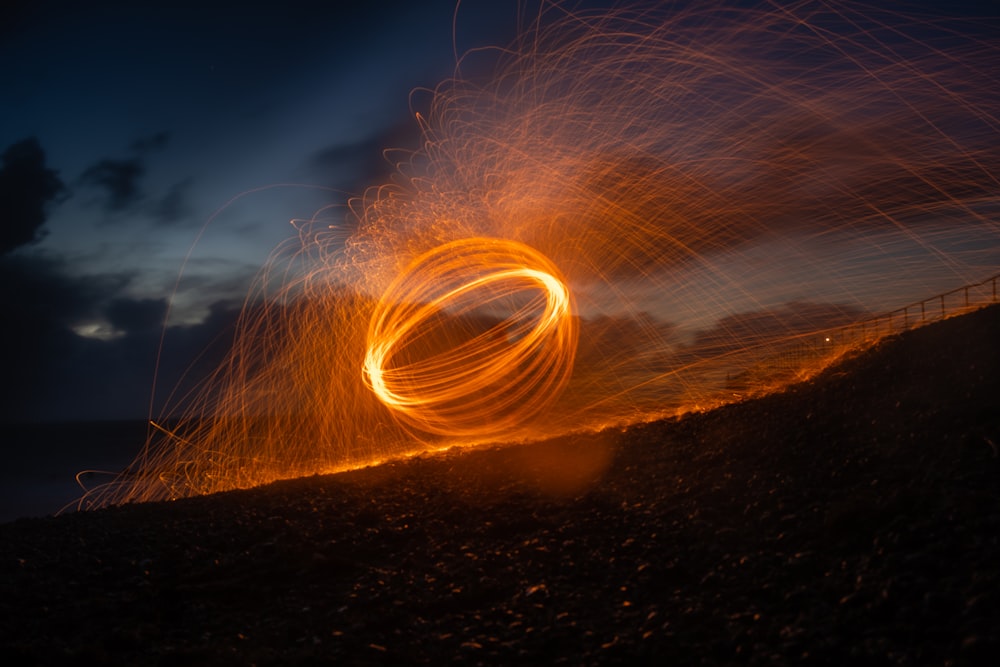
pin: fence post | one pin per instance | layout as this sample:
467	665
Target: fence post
942	306
922	317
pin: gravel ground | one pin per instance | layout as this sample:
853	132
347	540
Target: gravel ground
851	519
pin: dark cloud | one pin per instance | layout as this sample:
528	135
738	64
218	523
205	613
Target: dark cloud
27	188
91	379
136	315
52	373
174	206
337	157
120	180
42	288
368	161
42	303
153	142
114	379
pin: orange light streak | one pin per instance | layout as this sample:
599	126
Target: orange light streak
637	213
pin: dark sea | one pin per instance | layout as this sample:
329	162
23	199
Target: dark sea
41	462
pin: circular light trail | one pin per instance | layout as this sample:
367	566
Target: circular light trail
476	337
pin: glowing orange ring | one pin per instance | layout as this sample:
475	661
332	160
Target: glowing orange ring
495	380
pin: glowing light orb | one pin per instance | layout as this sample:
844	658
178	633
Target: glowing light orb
475	337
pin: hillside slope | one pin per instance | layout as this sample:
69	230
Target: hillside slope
852	518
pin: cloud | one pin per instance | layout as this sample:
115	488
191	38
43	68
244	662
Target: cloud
121	179
93	379
153	142
42	302
354	166
42	288
338	156
136	315
174	206
113	379
27	188
52	373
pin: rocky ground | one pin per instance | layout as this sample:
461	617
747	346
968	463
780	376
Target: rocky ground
852	519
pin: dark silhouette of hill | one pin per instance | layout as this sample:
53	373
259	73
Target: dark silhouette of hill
853	519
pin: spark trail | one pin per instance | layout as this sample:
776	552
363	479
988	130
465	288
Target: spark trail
635	205
487	384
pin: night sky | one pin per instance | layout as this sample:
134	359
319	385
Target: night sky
125	128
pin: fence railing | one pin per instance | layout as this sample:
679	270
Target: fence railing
941	306
774	364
